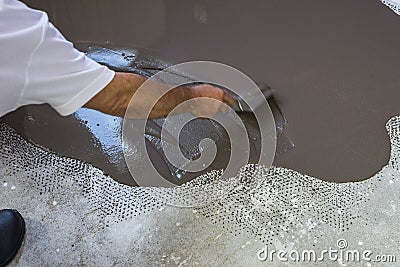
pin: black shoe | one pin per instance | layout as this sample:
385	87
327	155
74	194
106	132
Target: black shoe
12	231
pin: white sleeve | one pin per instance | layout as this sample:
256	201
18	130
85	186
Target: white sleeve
38	65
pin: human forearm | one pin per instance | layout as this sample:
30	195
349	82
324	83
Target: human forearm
116	96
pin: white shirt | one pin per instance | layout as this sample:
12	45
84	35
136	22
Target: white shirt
38	65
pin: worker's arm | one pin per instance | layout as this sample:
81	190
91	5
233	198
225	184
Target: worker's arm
40	66
116	96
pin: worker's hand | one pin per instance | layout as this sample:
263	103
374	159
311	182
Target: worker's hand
204	108
114	99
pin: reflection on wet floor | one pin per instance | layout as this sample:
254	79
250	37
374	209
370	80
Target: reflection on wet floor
107	132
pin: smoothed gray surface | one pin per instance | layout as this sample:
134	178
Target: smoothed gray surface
334	64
